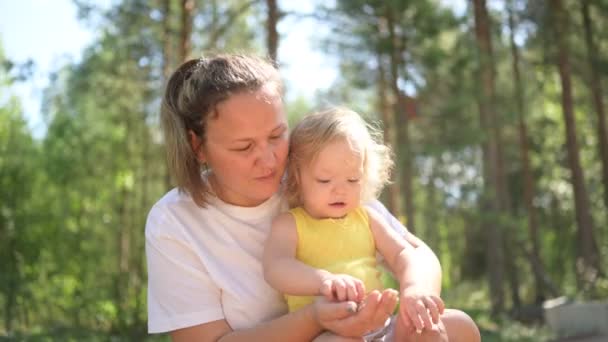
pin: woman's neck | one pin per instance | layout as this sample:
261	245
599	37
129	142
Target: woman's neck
225	196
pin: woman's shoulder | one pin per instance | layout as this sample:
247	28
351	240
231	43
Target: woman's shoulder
174	200
174	197
174	209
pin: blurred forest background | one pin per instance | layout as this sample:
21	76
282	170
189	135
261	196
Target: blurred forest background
497	117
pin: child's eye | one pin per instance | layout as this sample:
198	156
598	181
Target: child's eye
353	180
323	181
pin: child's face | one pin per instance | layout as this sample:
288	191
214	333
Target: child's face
331	184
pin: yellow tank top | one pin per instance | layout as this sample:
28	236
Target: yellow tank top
344	246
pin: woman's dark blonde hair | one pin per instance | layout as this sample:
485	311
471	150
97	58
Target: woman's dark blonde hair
191	96
317	130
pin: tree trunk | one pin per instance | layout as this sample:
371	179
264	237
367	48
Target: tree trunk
167	47
185	46
8	239
167	66
512	275
272	35
529	184
217	28
121	284
390	138
432	212
396	52
125	216
492	165
596	90
10	304
563	239
138	262
589	264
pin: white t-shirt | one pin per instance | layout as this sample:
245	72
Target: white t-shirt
205	264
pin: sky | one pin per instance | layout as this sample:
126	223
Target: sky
49	33
46	32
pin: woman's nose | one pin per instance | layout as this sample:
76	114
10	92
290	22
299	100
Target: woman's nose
267	157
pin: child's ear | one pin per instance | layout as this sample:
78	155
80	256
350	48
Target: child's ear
196	143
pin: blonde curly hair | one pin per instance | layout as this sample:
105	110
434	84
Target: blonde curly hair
318	129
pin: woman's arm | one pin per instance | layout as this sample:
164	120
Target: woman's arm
297	326
302	325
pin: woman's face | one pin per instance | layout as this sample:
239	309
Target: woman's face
246	147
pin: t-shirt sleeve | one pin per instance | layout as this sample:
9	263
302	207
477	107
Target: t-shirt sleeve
180	291
392	220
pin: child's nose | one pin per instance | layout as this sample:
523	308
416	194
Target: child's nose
339	189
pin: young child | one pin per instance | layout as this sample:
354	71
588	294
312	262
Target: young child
327	243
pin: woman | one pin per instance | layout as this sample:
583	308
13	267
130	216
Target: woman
226	137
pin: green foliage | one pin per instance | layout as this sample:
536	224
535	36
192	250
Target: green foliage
73	203
296	109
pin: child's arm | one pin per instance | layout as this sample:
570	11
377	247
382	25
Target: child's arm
290	276
415	298
427	262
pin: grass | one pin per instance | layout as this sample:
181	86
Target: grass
474	300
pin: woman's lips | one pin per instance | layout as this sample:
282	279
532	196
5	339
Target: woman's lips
266	177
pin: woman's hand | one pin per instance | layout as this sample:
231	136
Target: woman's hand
331	337
343	318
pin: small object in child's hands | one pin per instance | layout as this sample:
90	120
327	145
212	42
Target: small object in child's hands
360	305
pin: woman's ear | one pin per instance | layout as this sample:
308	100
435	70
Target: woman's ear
196	143
297	178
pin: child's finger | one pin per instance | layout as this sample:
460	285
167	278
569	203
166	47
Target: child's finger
340	290
408	325
423	313
326	290
439	302
432	309
351	292
360	290
412	312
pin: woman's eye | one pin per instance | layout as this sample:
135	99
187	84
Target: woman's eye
323	181
275	137
243	149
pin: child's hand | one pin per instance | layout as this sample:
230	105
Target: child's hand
342	287
418	309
